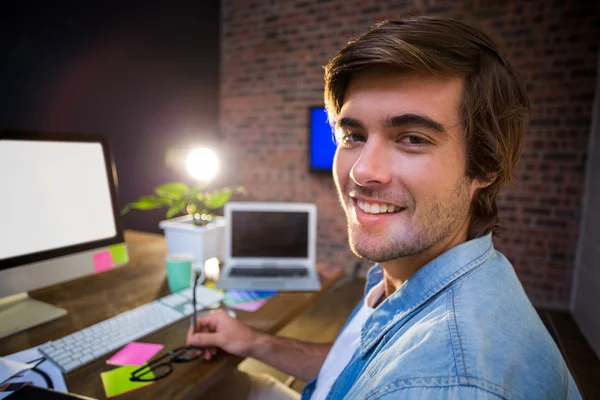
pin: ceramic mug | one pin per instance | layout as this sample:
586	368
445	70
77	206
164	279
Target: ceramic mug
180	269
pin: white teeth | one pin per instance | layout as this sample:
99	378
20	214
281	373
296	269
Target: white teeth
375	208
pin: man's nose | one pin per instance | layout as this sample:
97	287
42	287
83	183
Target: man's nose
374	164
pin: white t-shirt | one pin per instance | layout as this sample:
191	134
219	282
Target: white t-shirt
346	344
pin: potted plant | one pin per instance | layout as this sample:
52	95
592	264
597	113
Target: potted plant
199	231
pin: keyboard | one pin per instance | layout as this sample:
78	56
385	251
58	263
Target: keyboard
89	344
268	272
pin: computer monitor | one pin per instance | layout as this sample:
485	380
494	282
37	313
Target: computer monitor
59	219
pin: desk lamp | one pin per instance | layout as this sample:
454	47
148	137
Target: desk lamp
203	164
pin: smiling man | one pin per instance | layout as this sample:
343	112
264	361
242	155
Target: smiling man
429	119
400	168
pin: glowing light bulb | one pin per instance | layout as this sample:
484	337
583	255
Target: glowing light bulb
202	164
211	268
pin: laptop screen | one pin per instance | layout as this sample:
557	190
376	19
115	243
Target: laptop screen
277	234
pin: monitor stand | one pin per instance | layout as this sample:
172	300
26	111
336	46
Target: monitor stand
20	312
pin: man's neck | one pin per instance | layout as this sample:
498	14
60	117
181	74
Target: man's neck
398	271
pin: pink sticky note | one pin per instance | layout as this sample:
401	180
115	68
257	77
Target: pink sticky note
250	306
103	261
135	353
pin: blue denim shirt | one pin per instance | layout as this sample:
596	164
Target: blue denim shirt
461	327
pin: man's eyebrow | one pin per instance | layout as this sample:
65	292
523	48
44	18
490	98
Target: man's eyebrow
348	122
414	120
396	121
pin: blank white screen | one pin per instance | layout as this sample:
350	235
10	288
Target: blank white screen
52	195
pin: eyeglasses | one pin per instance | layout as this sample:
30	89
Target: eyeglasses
160	368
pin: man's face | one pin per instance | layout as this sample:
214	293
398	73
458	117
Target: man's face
400	166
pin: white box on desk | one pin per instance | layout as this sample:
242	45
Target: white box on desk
203	242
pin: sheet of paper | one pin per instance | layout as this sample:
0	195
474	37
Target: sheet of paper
135	353
28	356
117	381
204	296
9	368
103	261
233	297
249	306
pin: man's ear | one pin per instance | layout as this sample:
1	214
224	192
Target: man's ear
478	184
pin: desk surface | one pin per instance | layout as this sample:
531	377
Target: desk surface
95	298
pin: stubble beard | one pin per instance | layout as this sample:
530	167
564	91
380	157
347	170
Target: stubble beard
437	221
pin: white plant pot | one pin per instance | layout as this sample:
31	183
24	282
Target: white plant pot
203	242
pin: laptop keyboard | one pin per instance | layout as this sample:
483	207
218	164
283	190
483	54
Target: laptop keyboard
268	272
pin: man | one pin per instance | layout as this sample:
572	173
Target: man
429	118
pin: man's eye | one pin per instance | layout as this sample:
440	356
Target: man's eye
349	138
413	140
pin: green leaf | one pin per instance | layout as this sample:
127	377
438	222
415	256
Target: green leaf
172	190
176	208
217	198
150	202
198	198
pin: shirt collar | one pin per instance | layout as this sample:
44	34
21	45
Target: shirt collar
373	295
427	282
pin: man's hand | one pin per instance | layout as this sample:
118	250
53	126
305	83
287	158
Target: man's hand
218	329
297	358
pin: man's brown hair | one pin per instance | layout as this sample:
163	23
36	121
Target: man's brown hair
494	105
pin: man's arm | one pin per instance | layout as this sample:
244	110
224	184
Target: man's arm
300	359
294	357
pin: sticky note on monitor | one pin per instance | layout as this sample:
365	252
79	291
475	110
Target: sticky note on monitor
135	353
119	253
118	381
103	261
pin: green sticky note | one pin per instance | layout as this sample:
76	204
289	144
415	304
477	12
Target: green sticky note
117	381
119	253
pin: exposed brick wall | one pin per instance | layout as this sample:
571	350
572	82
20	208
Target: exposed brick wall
271	72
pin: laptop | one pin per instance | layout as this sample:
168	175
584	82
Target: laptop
270	246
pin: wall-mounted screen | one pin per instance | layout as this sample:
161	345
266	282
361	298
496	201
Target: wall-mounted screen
322	143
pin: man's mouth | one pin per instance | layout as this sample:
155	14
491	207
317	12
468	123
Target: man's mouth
377	208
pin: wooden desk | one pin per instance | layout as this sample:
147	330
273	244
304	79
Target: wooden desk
95	298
